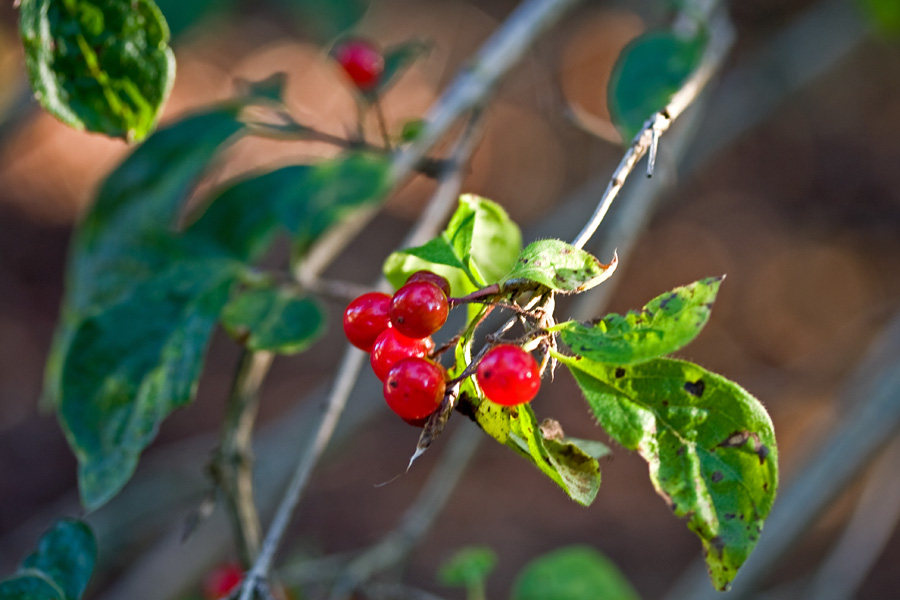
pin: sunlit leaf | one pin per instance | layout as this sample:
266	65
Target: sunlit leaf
557	266
274	319
100	65
709	444
665	324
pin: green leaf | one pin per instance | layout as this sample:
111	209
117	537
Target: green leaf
665	324
478	247
65	555
131	364
126	236
557	266
884	14
101	65
648	73
710	446
565	462
274	319
397	59
469	567
572	573
301	200
182	16
30	586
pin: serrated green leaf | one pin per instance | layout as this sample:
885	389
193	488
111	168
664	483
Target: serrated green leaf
479	246
397	59
30	586
647	74
101	65
573	573
274	319
126	236
301	200
562	460
132	363
665	324
710	446
468	567
557	266
65	555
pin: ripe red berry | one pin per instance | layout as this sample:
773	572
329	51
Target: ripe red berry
365	318
362	61
508	375
392	346
418	309
221	581
414	388
434	278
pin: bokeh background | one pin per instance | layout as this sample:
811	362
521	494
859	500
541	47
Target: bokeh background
790	186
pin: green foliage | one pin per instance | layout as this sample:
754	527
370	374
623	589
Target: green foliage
648	73
101	65
274	319
709	444
325	19
468	568
572	573
397	59
664	325
143	299
884	15
58	569
182	16
557	266
479	246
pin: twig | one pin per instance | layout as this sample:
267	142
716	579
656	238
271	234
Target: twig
415	523
870	528
232	466
498	54
429	224
874	393
720	40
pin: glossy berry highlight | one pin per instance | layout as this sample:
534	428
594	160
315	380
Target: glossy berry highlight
419	309
434	278
362	62
366	318
414	388
508	375
392	346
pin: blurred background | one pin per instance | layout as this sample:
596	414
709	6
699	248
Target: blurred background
788	182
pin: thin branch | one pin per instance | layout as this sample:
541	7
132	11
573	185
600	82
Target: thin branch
440	207
721	37
232	466
418	519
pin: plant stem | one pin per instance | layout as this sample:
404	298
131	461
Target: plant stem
232	466
720	41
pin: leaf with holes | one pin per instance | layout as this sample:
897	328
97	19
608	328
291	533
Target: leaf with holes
101	65
648	73
274	319
710	446
557	266
665	324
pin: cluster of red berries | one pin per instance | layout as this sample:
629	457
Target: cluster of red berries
362	62
397	331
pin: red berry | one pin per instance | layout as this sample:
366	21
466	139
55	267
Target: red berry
418	309
361	60
508	375
392	346
365	318
414	388
221	581
434	278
